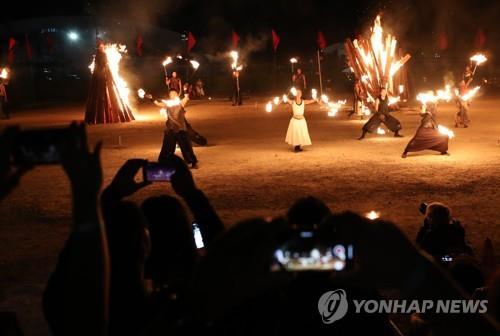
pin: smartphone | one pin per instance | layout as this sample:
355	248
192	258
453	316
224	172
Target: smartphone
447	258
198	238
157	172
40	146
304	252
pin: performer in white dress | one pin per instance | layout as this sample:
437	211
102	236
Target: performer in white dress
297	134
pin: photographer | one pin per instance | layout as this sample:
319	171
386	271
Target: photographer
441	235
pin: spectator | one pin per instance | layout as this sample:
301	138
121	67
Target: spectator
441	235
307	213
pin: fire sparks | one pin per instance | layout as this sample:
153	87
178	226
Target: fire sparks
269	107
314	94
380	131
234	55
335	107
172	102
478	59
393	100
446	131
194	64
167	61
163	112
434	97
276	101
374	61
141	93
372	215
469	95
114	53
293	60
4	74
401	89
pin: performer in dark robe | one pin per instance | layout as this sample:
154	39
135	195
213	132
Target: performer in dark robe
382	115
236	96
428	135
299	80
462	116
104	104
177	130
174	83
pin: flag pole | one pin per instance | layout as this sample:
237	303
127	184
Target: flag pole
319	74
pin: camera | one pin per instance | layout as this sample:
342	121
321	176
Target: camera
423	208
157	172
39	146
304	251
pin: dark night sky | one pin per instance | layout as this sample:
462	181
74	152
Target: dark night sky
297	21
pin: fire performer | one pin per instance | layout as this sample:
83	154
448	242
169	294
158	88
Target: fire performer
104	103
236	97
299	80
298	134
177	129
174	83
428	135
382	115
462	116
467	76
4	112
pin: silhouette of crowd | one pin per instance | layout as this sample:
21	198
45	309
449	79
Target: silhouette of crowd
130	268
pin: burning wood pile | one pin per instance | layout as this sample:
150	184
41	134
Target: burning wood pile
375	63
108	100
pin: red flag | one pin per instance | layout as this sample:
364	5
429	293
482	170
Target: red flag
321	40
443	41
236	39
191	41
12	45
480	39
138	45
29	51
276	40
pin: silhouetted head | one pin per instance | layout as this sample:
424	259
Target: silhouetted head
307	212
172	94
172	244
438	214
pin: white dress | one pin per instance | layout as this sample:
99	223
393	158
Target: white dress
297	133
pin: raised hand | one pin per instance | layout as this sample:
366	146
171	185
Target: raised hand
10	174
124	183
182	180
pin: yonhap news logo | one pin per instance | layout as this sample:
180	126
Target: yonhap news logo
333	306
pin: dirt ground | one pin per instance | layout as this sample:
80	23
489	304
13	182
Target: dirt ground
248	170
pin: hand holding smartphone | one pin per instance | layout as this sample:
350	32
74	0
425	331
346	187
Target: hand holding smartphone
157	172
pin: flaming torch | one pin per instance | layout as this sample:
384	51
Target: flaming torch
446	131
166	62
314	94
4	74
269	107
478	59
276	101
372	215
141	93
285	98
194	64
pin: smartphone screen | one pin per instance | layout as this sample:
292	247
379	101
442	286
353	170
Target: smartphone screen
198	238
157	172
303	252
39	146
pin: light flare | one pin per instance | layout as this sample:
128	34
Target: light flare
269	107
446	131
